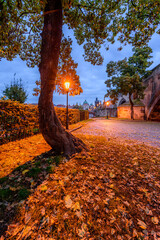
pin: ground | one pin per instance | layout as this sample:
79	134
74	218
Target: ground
140	131
110	192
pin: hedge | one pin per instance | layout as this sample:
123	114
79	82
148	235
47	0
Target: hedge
84	115
17	120
21	120
74	115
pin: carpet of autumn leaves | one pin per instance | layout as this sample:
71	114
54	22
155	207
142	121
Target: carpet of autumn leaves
110	192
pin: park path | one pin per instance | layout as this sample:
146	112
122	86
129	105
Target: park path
141	132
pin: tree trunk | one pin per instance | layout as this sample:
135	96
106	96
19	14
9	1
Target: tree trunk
132	110
62	142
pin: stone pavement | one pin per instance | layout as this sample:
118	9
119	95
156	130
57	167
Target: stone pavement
141	131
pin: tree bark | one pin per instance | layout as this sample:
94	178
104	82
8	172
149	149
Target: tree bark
62	142
131	102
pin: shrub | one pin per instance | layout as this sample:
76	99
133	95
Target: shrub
17	120
74	115
21	120
84	115
16	91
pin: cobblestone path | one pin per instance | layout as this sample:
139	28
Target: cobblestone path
144	132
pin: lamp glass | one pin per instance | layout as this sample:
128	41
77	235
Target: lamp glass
67	84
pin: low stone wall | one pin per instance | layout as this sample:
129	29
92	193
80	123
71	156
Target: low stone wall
111	112
125	112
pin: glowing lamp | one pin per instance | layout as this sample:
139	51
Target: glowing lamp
67	85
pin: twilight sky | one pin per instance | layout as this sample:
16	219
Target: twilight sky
92	77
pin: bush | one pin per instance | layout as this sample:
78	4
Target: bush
17	120
74	115
84	115
16	91
21	120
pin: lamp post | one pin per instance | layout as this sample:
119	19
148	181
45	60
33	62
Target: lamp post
107	104
67	84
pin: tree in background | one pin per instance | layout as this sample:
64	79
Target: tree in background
16	91
80	107
94	23
127	76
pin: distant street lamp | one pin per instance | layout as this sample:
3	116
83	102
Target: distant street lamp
67	84
107	104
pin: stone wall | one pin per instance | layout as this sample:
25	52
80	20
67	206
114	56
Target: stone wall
152	83
125	112
151	99
151	93
111	112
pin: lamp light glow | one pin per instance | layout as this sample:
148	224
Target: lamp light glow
67	85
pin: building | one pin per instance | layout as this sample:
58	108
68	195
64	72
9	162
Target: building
97	102
152	95
85	105
149	107
91	107
60	106
124	110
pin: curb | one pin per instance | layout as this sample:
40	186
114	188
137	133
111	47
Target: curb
75	129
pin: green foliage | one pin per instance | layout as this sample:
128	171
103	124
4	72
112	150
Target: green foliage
21	25
33	172
16	91
94	23
23	193
57	160
5	194
127	75
50	169
78	106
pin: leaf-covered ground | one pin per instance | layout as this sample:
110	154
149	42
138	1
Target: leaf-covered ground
111	192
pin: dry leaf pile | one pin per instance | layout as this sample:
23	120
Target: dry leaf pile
14	154
112	192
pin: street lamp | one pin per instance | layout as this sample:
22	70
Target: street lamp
107	104
67	84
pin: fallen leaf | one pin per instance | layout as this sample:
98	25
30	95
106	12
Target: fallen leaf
43	188
27	217
106	201
81	233
142	224
148	212
155	220
112	219
13	189
79	214
43	211
68	201
112	231
112	175
76	206
25	171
